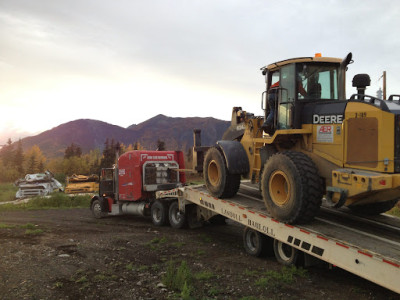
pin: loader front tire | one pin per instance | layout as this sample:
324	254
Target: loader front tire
219	182
291	187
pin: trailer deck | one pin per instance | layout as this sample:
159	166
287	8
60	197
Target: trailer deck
367	247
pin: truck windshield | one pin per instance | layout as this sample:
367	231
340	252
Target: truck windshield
317	81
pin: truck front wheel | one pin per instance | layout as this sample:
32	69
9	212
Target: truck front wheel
159	213
96	209
220	183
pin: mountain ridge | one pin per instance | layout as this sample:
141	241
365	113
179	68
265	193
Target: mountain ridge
89	134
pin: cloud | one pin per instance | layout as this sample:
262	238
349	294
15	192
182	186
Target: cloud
81	54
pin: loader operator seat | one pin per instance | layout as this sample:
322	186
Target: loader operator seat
314	88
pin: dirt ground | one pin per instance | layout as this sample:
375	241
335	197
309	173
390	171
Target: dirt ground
67	254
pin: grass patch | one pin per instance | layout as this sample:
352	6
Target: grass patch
33	231
178	244
82	279
205	238
204	275
249	273
28	226
200	252
156	243
5	226
7	192
142	268
55	200
395	211
179	279
58	285
276	280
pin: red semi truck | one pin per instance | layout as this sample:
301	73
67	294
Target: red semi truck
130	186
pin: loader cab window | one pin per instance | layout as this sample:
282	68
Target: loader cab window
318	81
287	94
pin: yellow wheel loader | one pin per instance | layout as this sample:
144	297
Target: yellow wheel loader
311	142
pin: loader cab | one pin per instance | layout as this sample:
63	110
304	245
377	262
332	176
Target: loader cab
297	82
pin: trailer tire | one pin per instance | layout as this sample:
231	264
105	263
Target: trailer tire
286	254
177	219
97	209
373	209
255	243
219	182
159	213
291	187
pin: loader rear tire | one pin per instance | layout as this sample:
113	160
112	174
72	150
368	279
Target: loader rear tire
219	182
291	187
373	209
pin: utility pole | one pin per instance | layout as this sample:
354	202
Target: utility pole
384	85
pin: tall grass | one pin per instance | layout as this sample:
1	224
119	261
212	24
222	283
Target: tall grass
395	211
55	200
7	192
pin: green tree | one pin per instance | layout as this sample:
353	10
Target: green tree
7	153
19	159
109	154
160	145
72	150
34	160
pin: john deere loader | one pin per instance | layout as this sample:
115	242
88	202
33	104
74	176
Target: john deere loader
312	142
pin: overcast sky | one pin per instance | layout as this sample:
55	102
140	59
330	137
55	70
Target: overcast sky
124	62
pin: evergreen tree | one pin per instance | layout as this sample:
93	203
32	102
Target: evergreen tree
19	159
34	160
7	154
32	164
109	152
160	145
72	150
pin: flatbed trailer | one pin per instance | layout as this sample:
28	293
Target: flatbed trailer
367	247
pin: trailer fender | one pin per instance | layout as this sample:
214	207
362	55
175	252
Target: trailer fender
236	158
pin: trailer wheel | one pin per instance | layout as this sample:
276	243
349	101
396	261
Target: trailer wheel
159	213
219	182
373	209
286	254
291	187
96	209
177	219
255	243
